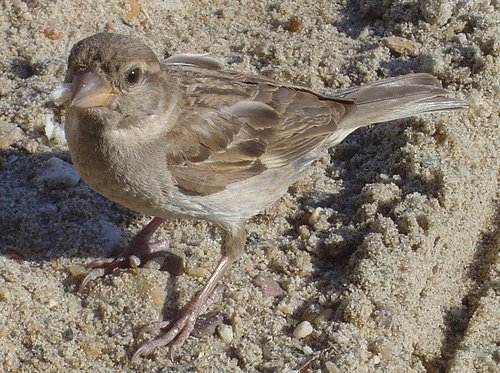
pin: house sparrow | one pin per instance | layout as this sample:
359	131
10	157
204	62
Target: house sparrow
187	139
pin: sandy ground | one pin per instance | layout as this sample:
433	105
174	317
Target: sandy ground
398	268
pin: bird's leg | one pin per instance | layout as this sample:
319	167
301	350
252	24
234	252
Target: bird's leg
137	251
176	331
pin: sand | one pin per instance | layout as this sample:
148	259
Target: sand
388	246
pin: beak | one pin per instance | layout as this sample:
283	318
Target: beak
90	90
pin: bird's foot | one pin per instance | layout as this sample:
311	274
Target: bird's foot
104	267
137	252
176	332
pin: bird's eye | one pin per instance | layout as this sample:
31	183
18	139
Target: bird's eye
133	75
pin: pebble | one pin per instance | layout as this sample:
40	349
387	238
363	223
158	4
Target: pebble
307	350
58	174
197	272
302	330
52	303
304	232
207	324
314	217
269	286
225	333
134	261
400	45
331	367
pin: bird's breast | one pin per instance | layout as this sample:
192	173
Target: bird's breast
120	165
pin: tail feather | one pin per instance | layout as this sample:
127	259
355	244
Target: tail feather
397	98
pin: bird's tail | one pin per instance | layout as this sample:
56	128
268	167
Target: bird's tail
396	98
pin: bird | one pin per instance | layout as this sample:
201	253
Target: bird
187	138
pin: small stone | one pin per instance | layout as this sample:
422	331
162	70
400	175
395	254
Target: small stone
134	261
58	174
314	218
288	202
307	350
225	333
304	231
207	324
302	330
197	272
52	303
331	367
30	146
269	286
53	34
400	45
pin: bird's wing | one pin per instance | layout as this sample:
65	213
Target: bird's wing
236	126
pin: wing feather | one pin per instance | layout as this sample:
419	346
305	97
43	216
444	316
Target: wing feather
237	126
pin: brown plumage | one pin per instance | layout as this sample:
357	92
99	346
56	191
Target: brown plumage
188	139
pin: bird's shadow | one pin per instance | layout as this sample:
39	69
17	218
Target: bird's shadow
40	222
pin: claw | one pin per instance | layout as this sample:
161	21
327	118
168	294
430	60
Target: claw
102	268
91	275
137	249
148	348
157	325
179	330
172	339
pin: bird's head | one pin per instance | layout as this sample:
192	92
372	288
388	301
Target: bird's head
114	72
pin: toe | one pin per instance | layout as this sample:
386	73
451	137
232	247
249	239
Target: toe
103	268
91	275
152	327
